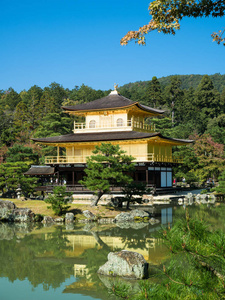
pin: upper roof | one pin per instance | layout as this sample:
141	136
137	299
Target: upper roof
113	101
107	136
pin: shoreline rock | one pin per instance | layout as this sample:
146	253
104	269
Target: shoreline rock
10	213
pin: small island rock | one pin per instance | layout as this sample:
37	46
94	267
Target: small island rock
127	264
69	218
89	215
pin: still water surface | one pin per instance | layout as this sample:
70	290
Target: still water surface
61	262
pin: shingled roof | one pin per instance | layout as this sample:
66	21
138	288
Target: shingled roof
40	170
104	136
112	101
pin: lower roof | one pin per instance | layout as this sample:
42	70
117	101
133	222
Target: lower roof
106	136
40	170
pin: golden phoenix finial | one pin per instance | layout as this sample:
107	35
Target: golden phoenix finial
115	86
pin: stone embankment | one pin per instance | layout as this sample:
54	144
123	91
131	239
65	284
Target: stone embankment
134	219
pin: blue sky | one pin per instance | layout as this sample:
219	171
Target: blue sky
75	41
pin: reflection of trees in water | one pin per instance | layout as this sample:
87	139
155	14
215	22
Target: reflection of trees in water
26	259
212	214
96	256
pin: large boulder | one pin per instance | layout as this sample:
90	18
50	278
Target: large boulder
138	213
89	215
126	264
47	220
6	208
10	213
22	215
69	218
124	217
134	215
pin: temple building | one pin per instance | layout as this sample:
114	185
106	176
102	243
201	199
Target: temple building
117	120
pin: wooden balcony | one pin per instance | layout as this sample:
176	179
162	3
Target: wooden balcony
150	157
130	125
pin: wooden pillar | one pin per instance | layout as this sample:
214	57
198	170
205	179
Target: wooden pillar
58	154
58	177
73	177
146	175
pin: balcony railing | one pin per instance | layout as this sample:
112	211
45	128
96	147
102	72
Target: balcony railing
150	157
129	125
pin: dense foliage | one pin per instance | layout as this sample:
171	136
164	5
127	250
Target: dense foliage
108	166
58	200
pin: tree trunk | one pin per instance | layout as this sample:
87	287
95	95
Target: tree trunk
99	240
128	204
94	202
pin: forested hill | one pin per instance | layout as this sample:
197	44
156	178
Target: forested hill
187	81
194	108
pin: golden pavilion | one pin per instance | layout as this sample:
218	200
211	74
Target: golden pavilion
117	120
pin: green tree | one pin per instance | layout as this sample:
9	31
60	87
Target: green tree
11	178
109	166
35	104
20	153
10	99
53	124
216	128
174	97
7	131
85	93
20	122
167	14
207	101
190	163
210	156
56	92
58	200
154	93
133	189
221	187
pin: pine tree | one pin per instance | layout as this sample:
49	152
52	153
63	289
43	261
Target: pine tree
109	166
207	101
154	93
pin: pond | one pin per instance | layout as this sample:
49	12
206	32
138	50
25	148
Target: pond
61	262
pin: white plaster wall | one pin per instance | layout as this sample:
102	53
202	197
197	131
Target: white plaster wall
104	120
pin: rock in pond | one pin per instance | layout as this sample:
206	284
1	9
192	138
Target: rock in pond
59	220
6	208
139	213
154	221
124	217
69	218
126	264
134	215
22	215
89	215
48	220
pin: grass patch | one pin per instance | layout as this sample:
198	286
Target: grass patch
40	207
